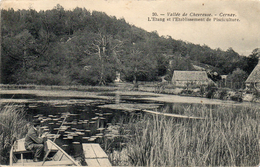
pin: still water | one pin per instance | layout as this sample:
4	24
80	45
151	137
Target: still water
75	124
86	122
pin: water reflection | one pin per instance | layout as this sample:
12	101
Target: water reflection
75	124
87	122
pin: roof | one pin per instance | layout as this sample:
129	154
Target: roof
198	68
190	76
255	74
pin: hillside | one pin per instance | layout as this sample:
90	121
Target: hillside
60	47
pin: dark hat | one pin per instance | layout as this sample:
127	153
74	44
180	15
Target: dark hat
36	122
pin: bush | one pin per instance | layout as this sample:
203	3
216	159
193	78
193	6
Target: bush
210	90
223	94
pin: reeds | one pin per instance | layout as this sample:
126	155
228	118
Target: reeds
229	136
12	127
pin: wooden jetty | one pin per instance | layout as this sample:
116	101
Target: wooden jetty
19	156
94	155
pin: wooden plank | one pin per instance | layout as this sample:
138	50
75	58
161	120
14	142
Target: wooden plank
49	145
57	156
69	157
20	148
95	155
61	157
20	145
92	162
22	159
99	151
104	162
11	156
172	115
47	163
88	151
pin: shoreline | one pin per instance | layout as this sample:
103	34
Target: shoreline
86	95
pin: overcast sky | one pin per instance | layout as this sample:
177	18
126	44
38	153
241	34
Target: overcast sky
243	35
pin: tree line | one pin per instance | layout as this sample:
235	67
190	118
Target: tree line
70	47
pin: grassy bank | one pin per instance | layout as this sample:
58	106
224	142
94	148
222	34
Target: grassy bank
228	136
12	126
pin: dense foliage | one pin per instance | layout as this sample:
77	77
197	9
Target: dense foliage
61	47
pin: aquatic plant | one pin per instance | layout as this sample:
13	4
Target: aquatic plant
12	127
229	136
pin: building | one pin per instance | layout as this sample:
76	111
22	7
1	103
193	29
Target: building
188	78
253	80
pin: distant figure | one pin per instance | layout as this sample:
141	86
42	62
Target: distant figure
34	142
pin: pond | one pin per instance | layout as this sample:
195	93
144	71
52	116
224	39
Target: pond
72	120
75	123
79	120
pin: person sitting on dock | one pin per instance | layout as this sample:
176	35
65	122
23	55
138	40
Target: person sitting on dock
35	143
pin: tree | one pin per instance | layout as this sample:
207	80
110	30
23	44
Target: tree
238	76
139	66
252	60
54	46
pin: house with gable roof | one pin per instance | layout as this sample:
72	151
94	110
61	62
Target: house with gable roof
253	80
184	78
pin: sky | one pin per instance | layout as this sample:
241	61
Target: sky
243	34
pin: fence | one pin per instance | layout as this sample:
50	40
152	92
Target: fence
231	84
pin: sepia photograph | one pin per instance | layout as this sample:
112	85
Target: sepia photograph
130	83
